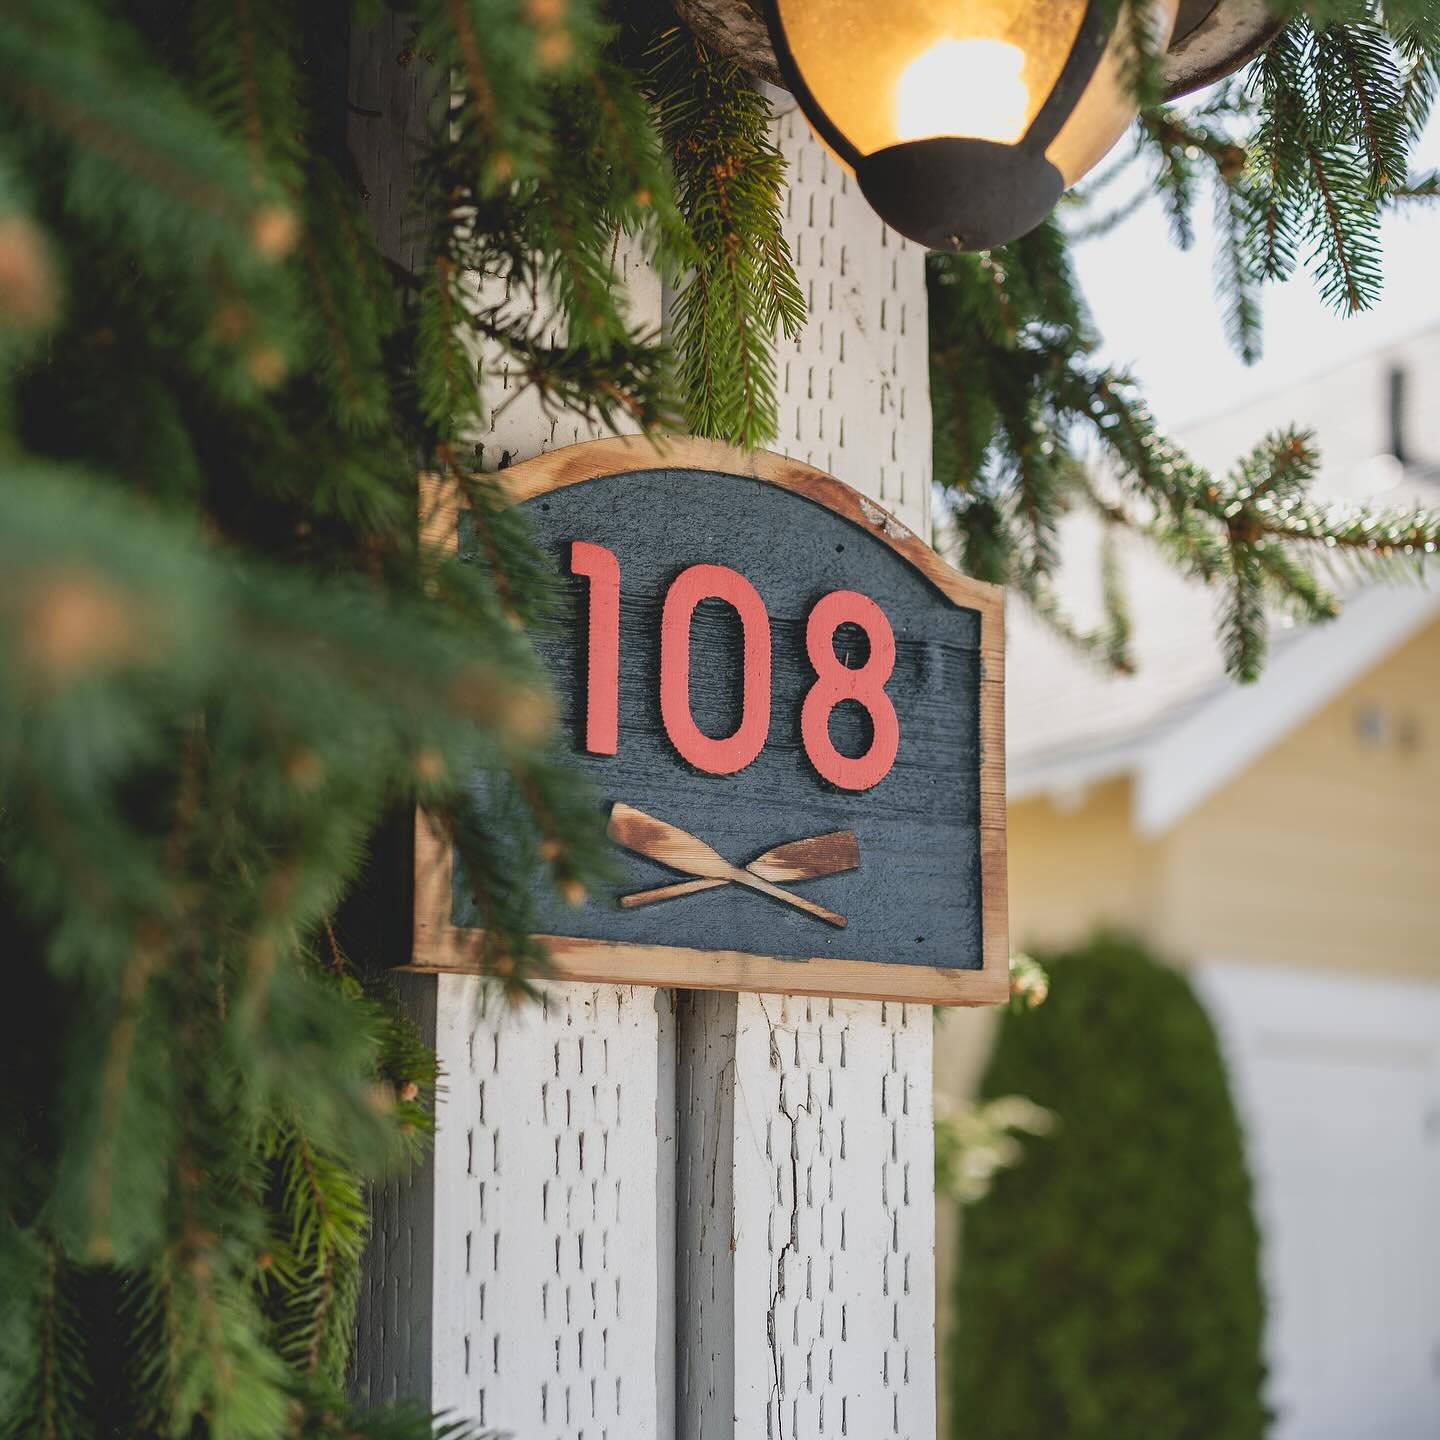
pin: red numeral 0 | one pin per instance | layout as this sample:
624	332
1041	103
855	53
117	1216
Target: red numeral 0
687	590
835	682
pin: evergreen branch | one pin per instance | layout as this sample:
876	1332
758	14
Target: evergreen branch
1276	75
324	1228
1142	67
250	85
1236	278
478	86
61	1390
119	1050
143	163
1422	187
1108	644
1309	151
1417	46
1382	534
51	1396
261	581
1118	631
742	288
1243	535
254	114
1244	632
165	146
1378	104
1347	274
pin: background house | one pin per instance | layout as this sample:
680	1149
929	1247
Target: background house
1283	842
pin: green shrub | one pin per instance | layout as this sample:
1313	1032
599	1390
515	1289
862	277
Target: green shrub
1109	1286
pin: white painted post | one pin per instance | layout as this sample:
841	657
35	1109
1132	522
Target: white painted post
549	1234
805	1283
855	387
544	1273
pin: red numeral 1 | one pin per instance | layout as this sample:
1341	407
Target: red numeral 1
734	752
835	682
602	698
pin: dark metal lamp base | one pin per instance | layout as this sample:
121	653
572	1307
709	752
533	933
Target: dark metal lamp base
952	194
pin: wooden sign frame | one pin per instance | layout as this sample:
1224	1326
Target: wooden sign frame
439	945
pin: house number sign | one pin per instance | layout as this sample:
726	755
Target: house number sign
791	711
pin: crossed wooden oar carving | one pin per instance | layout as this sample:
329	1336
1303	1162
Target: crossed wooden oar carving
798	860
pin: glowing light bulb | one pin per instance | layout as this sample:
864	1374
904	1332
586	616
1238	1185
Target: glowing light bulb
969	88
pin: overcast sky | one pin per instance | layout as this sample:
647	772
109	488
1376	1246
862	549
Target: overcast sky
1155	307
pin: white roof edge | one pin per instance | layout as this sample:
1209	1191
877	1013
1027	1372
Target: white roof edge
1190	761
1069	771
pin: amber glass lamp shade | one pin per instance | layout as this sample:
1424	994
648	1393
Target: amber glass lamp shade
963	120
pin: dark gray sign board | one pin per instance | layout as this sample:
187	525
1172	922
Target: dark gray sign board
792	710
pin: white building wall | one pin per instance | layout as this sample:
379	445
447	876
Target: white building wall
1337	1080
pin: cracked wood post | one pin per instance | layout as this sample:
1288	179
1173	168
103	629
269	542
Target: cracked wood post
805	1281
649	1214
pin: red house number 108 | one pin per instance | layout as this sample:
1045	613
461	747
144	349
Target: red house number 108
833	683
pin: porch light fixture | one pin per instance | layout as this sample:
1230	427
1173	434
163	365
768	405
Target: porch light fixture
963	120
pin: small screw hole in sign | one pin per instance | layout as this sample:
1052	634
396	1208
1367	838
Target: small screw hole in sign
835	682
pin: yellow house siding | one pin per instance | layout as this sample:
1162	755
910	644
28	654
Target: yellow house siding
1326	851
1074	869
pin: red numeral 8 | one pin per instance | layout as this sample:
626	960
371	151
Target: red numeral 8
835	682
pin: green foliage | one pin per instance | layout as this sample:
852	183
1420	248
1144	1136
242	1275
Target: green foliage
729	178
1142	59
225	660
1344	93
1301	157
228	668
1028	426
1109	1286
975	1143
544	157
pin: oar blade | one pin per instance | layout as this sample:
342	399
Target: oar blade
809	859
670	845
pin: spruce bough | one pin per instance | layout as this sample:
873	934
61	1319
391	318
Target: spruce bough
1300	157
